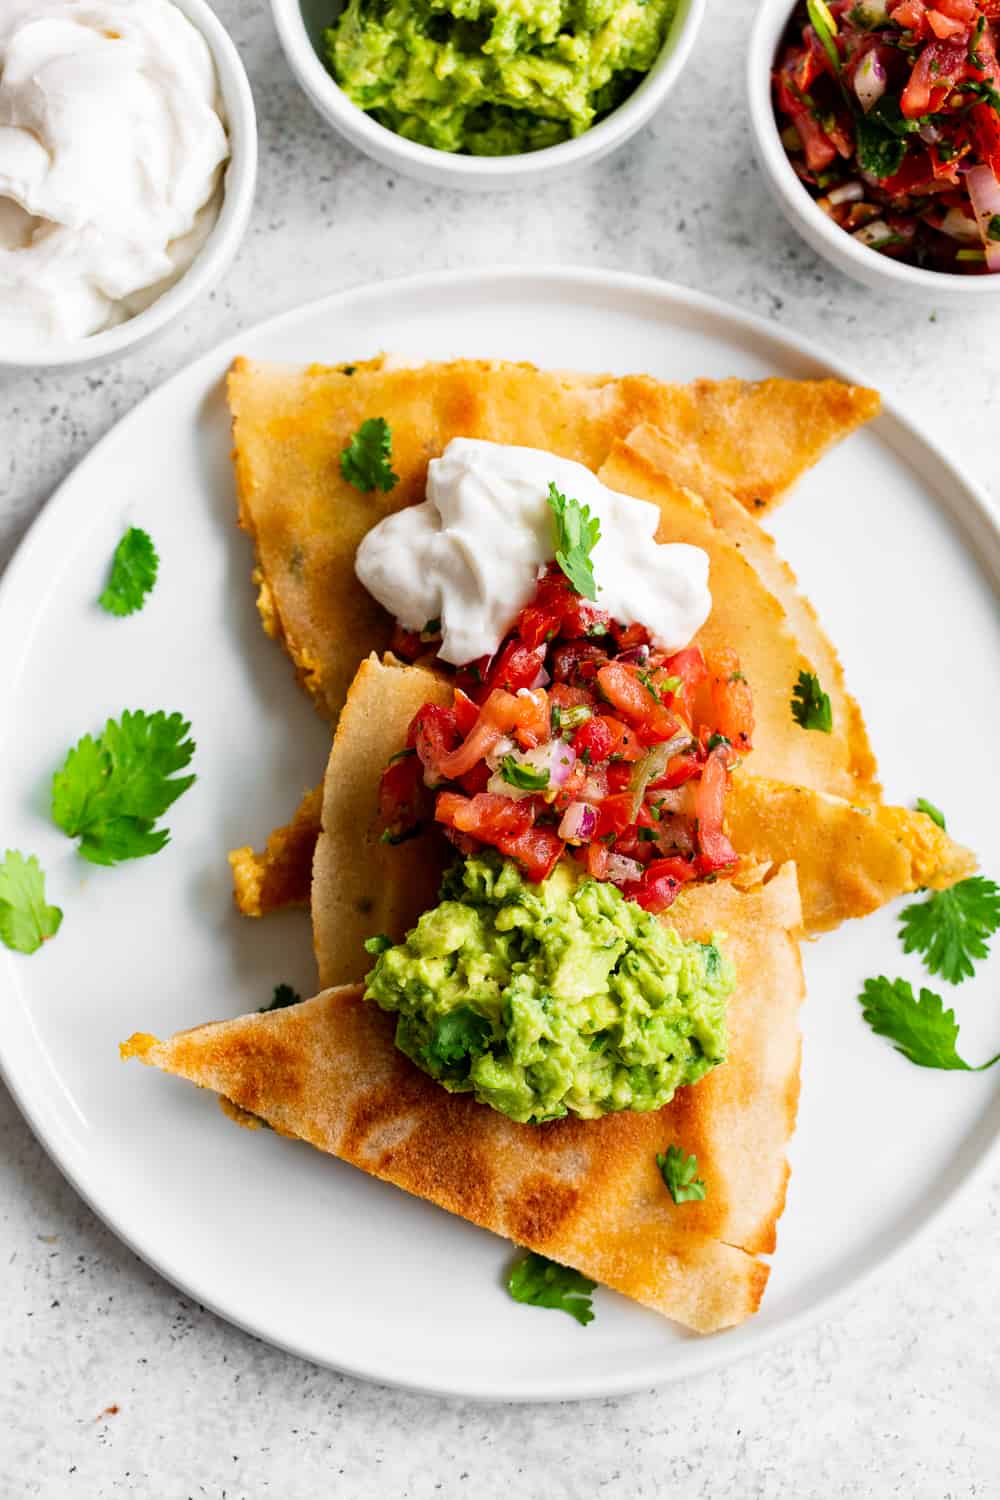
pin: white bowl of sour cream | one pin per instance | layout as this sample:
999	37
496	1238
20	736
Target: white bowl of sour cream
128	159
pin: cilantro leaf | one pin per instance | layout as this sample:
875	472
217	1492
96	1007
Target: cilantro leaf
458	1034
934	813
680	1173
366	461
133	573
810	705
283	995
526	778
922	1030
26	919
951	928
576	534
544	1283
880	151
111	790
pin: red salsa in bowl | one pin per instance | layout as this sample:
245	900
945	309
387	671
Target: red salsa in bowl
889	111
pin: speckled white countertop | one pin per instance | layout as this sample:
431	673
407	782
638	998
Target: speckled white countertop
113	1384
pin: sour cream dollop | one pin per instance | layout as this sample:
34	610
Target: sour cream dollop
111	147
471	554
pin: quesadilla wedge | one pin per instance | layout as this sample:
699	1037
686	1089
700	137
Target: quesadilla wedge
291	424
585	1193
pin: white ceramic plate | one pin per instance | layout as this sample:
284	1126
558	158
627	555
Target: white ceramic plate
897	551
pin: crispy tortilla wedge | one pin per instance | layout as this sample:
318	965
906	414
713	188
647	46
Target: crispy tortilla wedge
586	1193
851	859
290	425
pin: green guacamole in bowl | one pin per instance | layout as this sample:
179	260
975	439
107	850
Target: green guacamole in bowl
552	999
494	77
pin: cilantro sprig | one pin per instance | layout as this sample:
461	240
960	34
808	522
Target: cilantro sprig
134	567
544	1283
526	778
934	813
952	928
680	1173
576	533
111	790
919	1028
26	918
810	705
283	996
366	462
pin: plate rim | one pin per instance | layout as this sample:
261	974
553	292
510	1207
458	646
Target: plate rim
978	508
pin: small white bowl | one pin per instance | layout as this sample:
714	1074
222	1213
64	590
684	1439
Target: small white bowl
219	249
302	43
878	271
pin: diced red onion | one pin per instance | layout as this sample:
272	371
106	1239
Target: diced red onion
540	679
848	192
634	656
929	134
622	870
984	191
494	757
872	234
579	823
869	81
958	225
595	788
556	757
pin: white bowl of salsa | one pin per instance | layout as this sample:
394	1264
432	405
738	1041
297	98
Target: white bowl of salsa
856	193
302	27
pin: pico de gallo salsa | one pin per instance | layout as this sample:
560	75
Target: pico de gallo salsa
891	118
578	734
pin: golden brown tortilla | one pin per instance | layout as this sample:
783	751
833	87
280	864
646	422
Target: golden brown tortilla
290	425
586	1193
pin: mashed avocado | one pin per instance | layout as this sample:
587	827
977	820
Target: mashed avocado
552	999
494	77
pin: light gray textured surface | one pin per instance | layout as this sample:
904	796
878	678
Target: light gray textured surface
897	1395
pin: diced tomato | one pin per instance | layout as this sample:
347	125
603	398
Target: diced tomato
593	740
539	623
661	881
501	714
965	11
466	712
625	742
715	850
534	726
680	769
433	733
910	14
939	65
622	688
572	787
619	775
689	666
732	700
486	815
597	860
570	697
536	850
943	26
406	644
403	801
557	610
577	662
614	814
985	123
627	637
476	780
515	667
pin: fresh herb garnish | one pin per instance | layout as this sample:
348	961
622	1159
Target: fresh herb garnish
283	995
577	533
526	778
952	928
934	813
810	705
366	461
880	151
543	1283
922	1030
26	919
133	573
680	1173
111	790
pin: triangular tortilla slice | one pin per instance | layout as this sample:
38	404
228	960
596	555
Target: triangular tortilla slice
586	1193
749	618
686	467
290	425
850	859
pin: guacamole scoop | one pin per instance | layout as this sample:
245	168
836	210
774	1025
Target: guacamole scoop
494	77
552	999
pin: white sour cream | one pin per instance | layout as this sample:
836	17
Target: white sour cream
471	554
111	145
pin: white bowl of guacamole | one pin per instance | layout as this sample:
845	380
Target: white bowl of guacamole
487	93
